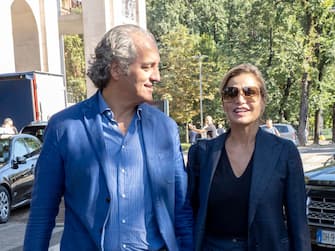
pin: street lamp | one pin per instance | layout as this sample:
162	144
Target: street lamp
200	57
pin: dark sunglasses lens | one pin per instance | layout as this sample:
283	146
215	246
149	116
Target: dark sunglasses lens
230	92
250	91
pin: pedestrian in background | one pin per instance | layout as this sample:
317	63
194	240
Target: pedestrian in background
220	129
123	180
270	128
192	135
209	129
247	186
8	126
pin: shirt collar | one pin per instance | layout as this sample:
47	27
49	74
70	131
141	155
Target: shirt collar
104	107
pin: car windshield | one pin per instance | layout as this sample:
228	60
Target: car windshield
4	150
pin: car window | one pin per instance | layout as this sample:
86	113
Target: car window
33	146
4	150
19	148
281	128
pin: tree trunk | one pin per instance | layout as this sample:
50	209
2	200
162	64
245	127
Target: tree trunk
187	134
271	53
303	109
317	116
333	131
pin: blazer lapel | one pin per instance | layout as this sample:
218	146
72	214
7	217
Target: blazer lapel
148	129
208	165
265	158
93	124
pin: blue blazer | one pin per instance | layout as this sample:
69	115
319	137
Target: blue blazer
277	188
73	164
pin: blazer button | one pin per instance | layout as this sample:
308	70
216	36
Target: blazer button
108	200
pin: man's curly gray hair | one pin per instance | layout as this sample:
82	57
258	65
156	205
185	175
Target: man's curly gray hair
117	45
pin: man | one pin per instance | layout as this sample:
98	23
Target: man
220	129
192	135
123	182
270	128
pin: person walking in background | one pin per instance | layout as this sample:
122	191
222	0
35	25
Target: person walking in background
8	126
247	186
270	128
209	129
220	129
192	135
123	181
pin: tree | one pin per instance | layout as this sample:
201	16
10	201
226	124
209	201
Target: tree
180	73
292	42
75	68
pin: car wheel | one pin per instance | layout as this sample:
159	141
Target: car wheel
4	205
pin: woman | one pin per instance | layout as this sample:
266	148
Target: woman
247	186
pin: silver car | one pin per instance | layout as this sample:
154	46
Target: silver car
286	131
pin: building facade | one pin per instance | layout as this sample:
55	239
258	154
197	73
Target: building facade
32	30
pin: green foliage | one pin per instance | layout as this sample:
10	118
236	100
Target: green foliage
75	68
180	71
285	39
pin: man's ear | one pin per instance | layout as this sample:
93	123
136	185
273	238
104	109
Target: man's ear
115	70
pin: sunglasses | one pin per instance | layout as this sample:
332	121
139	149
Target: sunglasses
250	93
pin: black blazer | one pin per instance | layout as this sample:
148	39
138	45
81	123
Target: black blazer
277	191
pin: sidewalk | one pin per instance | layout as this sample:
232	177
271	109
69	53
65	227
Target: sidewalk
315	155
312	155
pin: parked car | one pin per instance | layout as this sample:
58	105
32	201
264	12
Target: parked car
320	184
35	128
18	157
286	131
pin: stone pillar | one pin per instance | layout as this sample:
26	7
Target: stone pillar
95	25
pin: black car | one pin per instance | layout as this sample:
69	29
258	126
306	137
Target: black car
18	157
35	128
320	184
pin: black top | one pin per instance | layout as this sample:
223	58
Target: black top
227	214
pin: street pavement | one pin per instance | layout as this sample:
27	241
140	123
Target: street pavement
314	156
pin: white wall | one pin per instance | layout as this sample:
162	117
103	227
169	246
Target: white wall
29	39
7	61
52	37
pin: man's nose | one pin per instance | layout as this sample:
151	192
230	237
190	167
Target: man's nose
155	76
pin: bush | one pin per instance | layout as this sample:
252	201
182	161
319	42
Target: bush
185	146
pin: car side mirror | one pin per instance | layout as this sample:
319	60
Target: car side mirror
19	160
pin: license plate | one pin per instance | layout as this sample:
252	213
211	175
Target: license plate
325	237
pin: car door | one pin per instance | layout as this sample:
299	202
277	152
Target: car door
34	147
23	165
